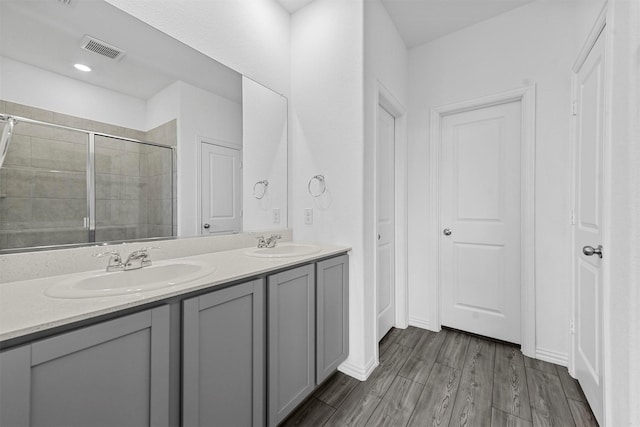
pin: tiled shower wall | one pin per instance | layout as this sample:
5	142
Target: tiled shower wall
163	187
43	197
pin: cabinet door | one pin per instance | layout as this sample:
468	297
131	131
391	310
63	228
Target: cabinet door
115	373
332	322
223	357
291	340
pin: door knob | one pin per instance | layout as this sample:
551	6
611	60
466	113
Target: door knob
378	237
446	232
590	251
206	226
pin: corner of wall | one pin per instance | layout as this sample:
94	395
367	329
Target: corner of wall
358	371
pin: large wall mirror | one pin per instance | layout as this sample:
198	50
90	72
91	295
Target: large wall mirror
156	140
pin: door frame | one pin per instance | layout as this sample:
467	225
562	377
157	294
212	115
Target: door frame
526	96
385	98
199	141
597	30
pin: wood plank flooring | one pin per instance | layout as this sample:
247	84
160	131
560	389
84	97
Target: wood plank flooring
451	379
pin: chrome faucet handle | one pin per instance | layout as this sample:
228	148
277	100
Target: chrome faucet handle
262	243
141	255
113	253
272	240
146	249
115	260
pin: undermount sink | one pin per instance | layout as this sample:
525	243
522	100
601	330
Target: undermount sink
283	250
162	274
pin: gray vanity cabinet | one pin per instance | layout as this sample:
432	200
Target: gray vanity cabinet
223	357
114	373
332	322
291	337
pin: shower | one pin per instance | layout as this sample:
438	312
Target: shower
62	185
8	124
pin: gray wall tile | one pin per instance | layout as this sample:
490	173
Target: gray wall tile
15	210
60	212
60	185
58	155
19	152
16	182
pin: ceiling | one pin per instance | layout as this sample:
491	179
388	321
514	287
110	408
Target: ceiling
292	6
420	21
47	34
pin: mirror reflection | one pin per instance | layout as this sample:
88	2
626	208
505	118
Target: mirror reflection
156	140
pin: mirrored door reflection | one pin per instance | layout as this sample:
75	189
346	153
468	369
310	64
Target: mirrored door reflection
43	187
133	190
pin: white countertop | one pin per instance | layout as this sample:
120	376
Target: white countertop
25	309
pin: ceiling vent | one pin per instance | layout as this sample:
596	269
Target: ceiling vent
101	48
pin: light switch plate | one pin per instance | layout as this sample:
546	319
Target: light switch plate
276	215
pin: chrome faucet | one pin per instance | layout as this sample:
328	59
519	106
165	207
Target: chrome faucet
262	243
136	259
115	260
269	242
272	240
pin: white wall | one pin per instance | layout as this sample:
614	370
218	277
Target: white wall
386	61
622	245
251	37
163	106
535	44
327	123
264	156
202	115
25	84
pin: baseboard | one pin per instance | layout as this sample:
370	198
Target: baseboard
551	356
421	323
359	372
401	325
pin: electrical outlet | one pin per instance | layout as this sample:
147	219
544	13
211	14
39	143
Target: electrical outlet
308	216
276	215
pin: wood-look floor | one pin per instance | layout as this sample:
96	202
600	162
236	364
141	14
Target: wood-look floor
448	379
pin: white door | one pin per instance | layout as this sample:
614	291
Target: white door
589	163
221	187
385	278
480	221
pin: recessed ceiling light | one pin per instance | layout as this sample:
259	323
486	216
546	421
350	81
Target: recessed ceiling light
82	67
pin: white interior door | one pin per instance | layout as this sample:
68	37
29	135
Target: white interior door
385	253
221	187
480	221
589	163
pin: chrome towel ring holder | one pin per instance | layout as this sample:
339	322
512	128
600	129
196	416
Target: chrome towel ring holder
322	185
260	189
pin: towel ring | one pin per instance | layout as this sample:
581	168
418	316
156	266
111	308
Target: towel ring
256	189
321	184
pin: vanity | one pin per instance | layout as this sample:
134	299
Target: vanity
242	344
203	335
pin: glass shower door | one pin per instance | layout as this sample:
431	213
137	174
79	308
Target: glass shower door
43	187
133	190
